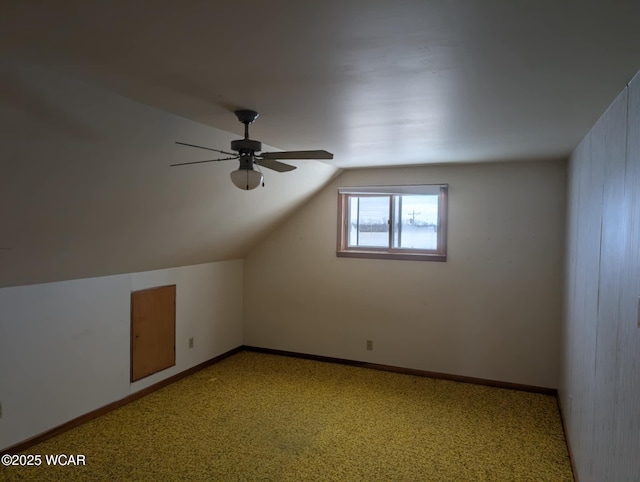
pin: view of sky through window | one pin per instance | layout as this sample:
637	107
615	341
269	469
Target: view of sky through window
414	221
420	209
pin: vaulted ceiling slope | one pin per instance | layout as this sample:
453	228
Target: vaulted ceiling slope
94	93
86	187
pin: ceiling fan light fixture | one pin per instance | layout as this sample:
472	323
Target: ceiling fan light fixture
246	179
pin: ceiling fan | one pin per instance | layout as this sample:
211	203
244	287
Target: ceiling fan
247	151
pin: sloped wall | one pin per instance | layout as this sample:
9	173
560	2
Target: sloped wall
65	346
600	383
86	187
491	311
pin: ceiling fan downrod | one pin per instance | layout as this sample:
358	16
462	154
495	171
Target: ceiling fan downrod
246	117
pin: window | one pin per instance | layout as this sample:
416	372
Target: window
393	222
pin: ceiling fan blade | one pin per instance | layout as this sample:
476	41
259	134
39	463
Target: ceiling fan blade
274	165
201	162
207	148
297	155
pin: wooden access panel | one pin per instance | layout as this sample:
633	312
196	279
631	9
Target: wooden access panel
153	331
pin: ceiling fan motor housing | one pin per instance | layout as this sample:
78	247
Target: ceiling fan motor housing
246	146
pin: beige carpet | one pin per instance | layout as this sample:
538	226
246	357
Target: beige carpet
263	417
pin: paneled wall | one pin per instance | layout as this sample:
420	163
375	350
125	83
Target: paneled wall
600	382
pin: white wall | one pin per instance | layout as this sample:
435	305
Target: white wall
491	311
600	383
65	346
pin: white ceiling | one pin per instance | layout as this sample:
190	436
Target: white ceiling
377	82
85	187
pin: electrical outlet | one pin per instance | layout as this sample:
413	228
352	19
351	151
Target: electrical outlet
369	344
191	342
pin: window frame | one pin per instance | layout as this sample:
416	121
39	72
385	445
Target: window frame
346	193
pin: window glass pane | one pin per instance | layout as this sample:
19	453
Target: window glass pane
353	221
369	221
405	222
416	222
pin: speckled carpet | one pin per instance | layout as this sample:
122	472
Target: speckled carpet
254	416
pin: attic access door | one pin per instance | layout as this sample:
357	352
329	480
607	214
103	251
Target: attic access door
153	331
